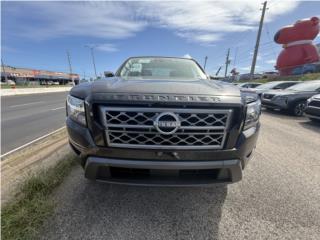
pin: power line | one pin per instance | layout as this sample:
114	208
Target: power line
235	57
93	60
268	34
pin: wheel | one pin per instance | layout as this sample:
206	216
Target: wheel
298	108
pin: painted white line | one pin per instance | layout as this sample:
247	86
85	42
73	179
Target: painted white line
33	141
53	109
26	104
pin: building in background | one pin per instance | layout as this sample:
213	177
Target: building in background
32	76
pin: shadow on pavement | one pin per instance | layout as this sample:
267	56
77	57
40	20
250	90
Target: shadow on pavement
281	114
103	211
277	113
311	125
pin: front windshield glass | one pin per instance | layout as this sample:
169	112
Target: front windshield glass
161	68
268	85
306	86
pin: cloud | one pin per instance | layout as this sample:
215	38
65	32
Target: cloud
201	22
208	21
106	47
187	56
271	61
105	20
245	68
248	68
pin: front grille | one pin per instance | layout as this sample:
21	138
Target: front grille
314	103
138	127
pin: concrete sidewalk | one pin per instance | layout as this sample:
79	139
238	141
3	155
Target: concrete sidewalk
22	91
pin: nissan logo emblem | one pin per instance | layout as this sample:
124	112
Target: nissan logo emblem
167	123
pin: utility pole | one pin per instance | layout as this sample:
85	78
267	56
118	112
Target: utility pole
227	63
205	62
4	71
256	48
70	67
218	71
93	60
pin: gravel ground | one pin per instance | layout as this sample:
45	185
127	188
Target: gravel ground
278	198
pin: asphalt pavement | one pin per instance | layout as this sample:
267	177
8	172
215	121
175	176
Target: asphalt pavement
27	117
278	198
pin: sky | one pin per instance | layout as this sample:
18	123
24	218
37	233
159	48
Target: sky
38	34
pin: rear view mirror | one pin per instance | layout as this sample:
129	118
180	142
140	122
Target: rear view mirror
108	74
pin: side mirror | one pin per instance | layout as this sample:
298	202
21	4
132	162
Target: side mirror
108	74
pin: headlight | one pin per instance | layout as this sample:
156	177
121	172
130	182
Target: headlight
253	114
310	99
75	110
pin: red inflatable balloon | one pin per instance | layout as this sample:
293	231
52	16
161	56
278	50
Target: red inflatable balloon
297	44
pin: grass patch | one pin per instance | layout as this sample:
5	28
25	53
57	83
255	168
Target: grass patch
23	218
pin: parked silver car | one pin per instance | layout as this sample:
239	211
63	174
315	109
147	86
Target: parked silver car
293	98
312	110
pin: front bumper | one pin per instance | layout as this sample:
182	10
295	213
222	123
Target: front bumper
159	173
161	167
312	112
267	103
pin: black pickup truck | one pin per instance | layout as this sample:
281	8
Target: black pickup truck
162	121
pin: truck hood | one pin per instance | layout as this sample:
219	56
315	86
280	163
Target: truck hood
196	87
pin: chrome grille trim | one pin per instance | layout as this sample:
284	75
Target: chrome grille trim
121	134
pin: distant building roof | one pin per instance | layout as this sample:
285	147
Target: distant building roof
33	73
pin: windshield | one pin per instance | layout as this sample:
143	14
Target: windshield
306	86
268	85
161	68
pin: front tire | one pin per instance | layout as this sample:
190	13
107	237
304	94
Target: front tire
298	108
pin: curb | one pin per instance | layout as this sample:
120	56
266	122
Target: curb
16	167
25	91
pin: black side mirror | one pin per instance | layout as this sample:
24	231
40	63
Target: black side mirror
108	74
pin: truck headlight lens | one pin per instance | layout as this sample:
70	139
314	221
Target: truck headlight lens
75	110
253	114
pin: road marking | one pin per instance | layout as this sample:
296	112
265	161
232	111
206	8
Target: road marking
29	143
26	104
53	109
